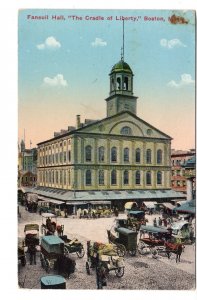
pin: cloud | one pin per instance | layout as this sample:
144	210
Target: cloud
50	43
57	81
98	43
171	43
186	79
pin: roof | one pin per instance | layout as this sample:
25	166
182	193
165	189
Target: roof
135	212
129	205
168	205
153	229
121	66
188	207
150	204
52	280
48	215
106	195
52	239
102	120
178	224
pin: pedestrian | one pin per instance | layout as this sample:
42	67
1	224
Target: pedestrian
160	221
165	222
155	222
32	253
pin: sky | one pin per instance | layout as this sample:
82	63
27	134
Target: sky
64	66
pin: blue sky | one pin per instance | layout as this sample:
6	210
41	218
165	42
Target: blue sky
64	67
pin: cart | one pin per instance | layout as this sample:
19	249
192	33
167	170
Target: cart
73	246
152	240
125	239
53	255
104	259
49	223
31	235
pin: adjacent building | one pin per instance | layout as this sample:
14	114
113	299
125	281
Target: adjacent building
179	159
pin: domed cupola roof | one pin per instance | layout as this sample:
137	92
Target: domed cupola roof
121	66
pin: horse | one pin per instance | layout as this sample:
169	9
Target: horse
174	248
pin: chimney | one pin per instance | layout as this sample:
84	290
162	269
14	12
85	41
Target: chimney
78	122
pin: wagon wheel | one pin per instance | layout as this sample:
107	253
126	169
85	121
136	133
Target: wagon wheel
66	251
81	252
142	247
119	272
47	265
87	267
121	250
132	252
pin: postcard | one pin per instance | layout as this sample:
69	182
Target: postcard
106	149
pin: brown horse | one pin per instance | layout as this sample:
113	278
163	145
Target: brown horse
174	248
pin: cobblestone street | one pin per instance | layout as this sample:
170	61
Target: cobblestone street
142	272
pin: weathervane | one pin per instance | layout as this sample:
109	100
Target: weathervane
122	49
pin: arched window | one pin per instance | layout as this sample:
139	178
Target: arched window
137	177
137	155
118	86
57	177
101	155
114	154
126	154
148	156
126	177
52	176
159	156
101	177
113	177
159	177
88	153
46	177
126	83
65	177
148	177
126	130
68	177
88	177
60	177
49	176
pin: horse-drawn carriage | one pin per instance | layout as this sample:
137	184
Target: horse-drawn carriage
135	218
152	239
53	255
31	235
104	258
49	223
73	246
125	239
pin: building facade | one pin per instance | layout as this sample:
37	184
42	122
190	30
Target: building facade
119	152
179	159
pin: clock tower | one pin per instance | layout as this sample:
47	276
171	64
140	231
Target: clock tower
121	96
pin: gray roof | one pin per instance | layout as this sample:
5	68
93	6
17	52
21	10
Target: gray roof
65	195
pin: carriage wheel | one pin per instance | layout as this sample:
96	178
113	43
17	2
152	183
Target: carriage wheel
81	252
87	267
142	248
66	251
119	272
121	250
47	266
132	252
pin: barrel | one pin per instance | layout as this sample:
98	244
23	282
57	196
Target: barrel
53	282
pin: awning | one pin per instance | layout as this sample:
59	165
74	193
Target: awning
100	202
54	201
168	205
76	203
129	205
150	204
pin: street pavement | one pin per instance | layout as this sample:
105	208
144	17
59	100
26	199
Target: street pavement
141	271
